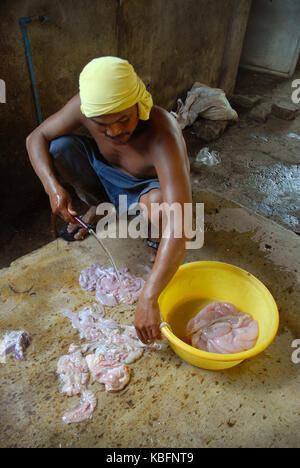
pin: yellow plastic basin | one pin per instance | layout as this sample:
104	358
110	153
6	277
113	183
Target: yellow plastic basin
199	283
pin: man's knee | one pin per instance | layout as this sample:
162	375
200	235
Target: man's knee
153	196
152	200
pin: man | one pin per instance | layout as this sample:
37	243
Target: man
136	149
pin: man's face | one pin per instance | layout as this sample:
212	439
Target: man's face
118	127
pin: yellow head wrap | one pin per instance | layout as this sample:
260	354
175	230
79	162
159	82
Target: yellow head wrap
108	85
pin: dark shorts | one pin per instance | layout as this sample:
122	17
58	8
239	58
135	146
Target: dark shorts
92	177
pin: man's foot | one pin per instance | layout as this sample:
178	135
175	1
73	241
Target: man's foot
153	245
76	231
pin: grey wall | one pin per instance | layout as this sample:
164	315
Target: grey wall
171	43
77	32
181	42
272	41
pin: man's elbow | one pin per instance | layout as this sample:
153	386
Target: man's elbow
29	140
33	137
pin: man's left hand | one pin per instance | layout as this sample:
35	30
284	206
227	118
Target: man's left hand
147	319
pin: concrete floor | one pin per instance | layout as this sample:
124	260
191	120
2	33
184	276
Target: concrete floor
168	403
259	162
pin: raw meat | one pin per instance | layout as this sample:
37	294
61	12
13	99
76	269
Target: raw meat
113	374
211	312
115	346
90	322
16	342
108	289
74	372
220	328
236	341
107	337
84	411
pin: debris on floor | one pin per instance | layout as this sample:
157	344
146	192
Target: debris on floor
209	130
203	101
285	110
245	101
208	158
261	112
294	135
260	152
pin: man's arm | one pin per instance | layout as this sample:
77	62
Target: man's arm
172	166
65	121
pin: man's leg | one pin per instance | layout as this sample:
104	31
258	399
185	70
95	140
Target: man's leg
70	157
154	215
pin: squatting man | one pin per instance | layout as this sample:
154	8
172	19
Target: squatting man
135	149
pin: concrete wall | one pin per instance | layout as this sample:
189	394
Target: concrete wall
181	42
77	32
171	43
272	41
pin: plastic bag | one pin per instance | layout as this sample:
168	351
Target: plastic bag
294	135
208	103
209	158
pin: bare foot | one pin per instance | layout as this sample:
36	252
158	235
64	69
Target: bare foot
153	251
89	218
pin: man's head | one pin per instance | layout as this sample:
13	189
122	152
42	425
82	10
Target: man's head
111	92
118	127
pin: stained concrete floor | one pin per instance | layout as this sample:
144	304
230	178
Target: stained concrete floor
168	403
259	161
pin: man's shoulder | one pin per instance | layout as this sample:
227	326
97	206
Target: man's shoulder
167	137
71	109
158	114
163	122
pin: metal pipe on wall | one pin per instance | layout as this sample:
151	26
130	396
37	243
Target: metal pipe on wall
23	22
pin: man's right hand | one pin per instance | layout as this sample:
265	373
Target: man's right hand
61	204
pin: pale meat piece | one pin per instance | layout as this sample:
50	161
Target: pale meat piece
211	312
106	283
114	375
121	344
107	337
16	342
84	411
115	346
240	339
220	328
89	322
74	373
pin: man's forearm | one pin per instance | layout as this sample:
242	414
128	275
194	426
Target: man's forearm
169	257
41	161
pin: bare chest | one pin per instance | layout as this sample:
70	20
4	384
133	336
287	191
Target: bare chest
130	159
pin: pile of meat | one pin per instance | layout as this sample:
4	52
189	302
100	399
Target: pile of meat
220	328
16	342
109	348
106	282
